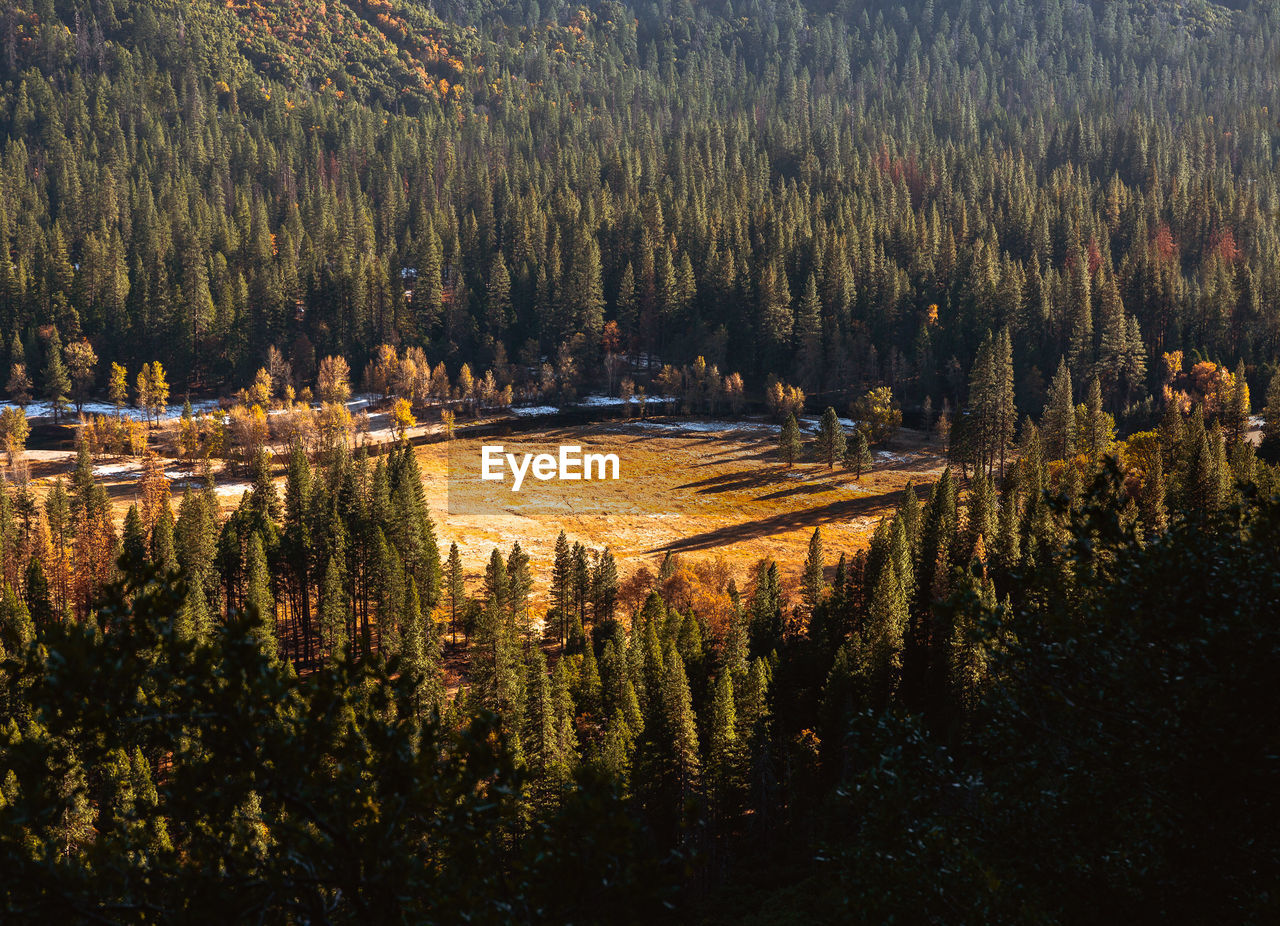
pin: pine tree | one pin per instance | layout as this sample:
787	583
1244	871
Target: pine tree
680	728
775	316
496	588
539	740
1202	483
80	361
1099	427
456	589
813	580
421	656
258	597
498	299
38	600
627	304
857	454
562	585
809	346
1005	409
194	621
1154	512
333	611
118	388
831	440
766	610
604	587
1080	314
494	660
992	414
133	542
886	629
566	737
1008	546
789	441
163	552
1236	415
1113	335
519	585
57	384
1271	416
724	752
588	689
1058	424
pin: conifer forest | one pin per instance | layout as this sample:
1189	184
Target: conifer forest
971	307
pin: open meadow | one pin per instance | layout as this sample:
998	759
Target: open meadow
711	491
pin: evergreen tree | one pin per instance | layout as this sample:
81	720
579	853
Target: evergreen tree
813	580
562	585
789	441
333	611
604	587
421	656
1098	432
134	539
857	454
683	762
456	590
830	440
886	627
808	335
258	597
519	585
724	753
57	383
1059	422
38	600
163	552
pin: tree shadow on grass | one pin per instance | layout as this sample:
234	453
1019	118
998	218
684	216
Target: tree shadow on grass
785	522
742	480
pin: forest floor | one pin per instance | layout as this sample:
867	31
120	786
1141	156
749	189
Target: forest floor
708	490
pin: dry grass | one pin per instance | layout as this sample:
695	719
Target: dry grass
700	494
704	494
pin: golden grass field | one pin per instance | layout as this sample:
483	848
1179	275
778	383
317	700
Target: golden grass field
706	490
702	494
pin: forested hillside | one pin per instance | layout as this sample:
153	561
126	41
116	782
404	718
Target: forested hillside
839	195
1038	687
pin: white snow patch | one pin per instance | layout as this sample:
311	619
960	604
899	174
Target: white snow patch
363	400
700	427
811	424
530	411
45	410
130	470
601	401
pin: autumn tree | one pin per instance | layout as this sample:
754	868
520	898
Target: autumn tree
81	361
118	388
333	382
878	414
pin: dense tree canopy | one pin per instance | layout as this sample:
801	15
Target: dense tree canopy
849	194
